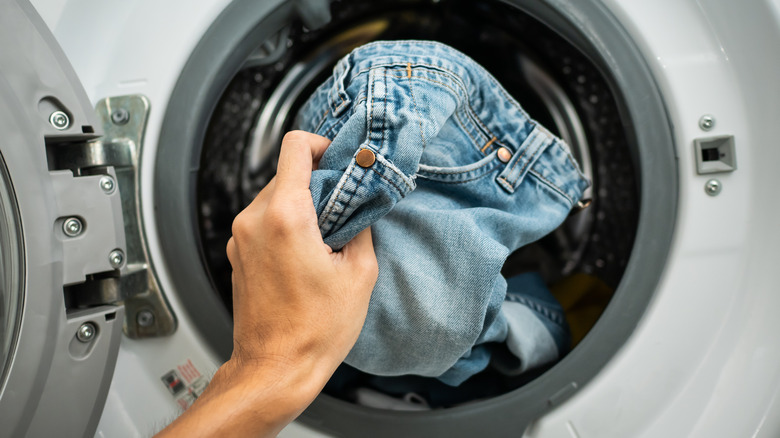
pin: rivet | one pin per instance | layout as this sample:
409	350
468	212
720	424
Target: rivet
504	155
365	158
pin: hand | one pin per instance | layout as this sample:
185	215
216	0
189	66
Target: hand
298	307
294	298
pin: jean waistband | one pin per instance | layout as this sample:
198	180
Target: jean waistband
498	119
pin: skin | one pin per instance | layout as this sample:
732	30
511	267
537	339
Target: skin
298	307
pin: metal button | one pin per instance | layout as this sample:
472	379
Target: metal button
365	158
504	155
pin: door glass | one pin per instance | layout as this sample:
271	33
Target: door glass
10	267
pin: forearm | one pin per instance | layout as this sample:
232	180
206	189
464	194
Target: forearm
250	400
298	306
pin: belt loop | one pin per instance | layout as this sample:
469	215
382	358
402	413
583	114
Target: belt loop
523	159
339	99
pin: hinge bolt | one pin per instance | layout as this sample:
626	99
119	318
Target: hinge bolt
107	184
145	318
59	120
120	116
86	332
72	227
116	258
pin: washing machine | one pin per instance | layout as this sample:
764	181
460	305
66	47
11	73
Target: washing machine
132	132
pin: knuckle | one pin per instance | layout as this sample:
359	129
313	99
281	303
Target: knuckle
230	249
295	136
242	227
277	220
369	266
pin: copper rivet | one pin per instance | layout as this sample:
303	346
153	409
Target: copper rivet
365	158
504	155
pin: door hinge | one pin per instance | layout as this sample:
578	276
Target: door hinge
106	260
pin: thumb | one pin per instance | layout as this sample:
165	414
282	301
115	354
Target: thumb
359	255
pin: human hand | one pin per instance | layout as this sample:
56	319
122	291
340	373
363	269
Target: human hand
294	299
298	307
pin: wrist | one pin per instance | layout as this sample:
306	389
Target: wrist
244	398
280	390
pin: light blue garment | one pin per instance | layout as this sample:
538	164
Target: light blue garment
445	210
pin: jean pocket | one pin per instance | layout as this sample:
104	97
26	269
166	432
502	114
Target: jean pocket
460	174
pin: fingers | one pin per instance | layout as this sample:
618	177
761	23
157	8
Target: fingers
300	153
359	253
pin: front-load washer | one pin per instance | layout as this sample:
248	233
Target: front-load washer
113	214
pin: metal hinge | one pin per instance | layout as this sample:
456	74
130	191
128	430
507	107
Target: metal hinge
105	255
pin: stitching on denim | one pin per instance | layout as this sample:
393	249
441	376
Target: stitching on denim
487	145
456	172
532	137
319	124
389	181
352	195
384	112
461	92
468	108
391	167
505	184
569	157
468	113
443	71
527	163
551	185
460	181
548	313
339	85
370	109
467	131
483	171
459	83
498	144
509	172
335	197
336	122
416	109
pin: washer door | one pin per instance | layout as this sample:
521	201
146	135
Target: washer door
61	228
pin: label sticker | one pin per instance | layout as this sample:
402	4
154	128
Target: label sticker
185	383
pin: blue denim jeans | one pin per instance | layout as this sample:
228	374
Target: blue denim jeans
452	175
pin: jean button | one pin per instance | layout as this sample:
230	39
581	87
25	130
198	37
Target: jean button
365	158
504	155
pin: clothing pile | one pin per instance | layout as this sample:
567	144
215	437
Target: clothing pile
452	175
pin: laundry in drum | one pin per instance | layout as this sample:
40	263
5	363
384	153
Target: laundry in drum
452	176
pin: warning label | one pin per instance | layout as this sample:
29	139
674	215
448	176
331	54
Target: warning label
185	383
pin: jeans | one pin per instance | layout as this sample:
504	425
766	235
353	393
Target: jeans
452	175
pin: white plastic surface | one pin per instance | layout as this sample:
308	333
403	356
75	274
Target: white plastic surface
138	47
704	360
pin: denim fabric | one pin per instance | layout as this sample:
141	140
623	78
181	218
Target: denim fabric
445	209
